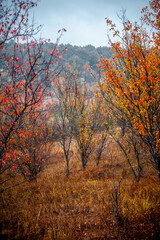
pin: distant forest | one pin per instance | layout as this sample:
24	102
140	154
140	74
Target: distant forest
73	55
83	55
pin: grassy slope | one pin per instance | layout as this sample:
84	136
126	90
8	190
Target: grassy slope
81	207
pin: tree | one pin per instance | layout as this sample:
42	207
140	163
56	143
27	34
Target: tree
151	17
85	122
14	19
131	82
63	92
101	134
78	116
25	71
28	149
33	143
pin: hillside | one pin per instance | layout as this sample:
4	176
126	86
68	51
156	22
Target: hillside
74	55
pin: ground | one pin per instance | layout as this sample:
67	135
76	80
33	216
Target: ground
82	206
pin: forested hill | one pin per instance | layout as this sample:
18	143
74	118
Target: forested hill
74	55
82	55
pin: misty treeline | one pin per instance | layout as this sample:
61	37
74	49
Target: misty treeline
61	94
80	56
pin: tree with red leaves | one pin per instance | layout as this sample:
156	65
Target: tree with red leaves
23	77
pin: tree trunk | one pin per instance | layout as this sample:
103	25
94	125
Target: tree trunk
67	171
158	165
67	166
83	163
1	157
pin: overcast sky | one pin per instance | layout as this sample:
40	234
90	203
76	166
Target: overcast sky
84	20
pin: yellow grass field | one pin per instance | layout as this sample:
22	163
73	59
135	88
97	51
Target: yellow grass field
82	206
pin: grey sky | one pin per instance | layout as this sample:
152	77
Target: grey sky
84	19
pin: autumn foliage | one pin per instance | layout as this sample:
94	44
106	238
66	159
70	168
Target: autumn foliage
130	81
23	83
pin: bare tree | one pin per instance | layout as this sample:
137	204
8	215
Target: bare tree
63	92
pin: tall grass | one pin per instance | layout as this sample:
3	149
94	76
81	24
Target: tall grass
81	206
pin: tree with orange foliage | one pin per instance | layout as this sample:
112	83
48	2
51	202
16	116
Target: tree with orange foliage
151	16
86	122
77	117
130	80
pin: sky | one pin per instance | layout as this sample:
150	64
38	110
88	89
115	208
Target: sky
84	20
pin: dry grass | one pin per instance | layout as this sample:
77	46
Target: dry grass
81	207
